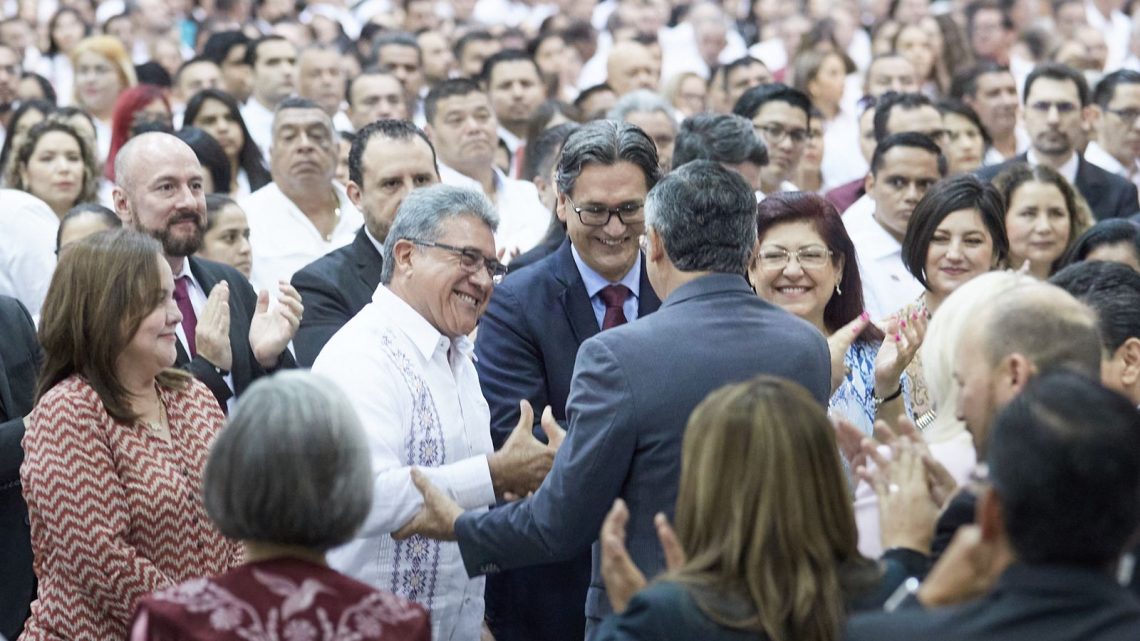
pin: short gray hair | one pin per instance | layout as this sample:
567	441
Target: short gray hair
423	212
292	467
706	217
723	138
606	142
642	100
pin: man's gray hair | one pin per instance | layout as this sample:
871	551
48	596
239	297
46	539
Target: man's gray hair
642	100
723	138
706	217
606	142
292	467
423	212
297	103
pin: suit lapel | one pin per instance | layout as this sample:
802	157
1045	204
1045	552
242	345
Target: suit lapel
369	262
647	300
575	301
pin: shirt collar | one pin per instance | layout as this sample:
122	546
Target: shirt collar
1068	170
375	243
877	242
594	281
1097	155
189	274
426	339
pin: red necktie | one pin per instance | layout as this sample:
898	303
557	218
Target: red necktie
614	297
189	320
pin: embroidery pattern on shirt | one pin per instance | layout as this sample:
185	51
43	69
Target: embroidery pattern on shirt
415	562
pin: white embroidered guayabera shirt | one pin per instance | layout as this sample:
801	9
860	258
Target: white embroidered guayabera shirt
418	397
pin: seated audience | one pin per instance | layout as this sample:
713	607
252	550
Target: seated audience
226	239
290	478
1042	217
55	164
219	115
21	120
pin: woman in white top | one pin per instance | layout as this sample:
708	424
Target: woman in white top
65	29
218	114
103	70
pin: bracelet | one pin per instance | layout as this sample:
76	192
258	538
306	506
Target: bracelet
879	401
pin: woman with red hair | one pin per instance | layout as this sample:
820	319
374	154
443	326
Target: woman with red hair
138	106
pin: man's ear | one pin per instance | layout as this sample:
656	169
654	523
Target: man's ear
402	253
122	208
1129	355
1090	118
1015	370
561	206
868	182
353	191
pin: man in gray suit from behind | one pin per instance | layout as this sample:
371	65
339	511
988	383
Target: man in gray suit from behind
635	385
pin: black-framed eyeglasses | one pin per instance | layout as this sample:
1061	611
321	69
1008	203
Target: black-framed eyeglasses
470	259
775	134
599	215
1127	115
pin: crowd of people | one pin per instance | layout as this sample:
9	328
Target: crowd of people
554	321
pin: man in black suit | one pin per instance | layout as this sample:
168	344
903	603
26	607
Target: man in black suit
1056	101
539	167
19	365
388	159
536	320
1061	502
229	335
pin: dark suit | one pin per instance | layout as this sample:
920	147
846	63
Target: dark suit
548	245
334	288
632	391
243	303
846	194
1029	603
1108	195
19	365
528	340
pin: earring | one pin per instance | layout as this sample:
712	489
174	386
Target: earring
838	292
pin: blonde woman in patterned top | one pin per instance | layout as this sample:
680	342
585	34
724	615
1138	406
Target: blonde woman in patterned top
115	446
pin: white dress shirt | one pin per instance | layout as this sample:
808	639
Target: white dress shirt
1117	30
259	121
994	157
1068	170
887	285
523	220
840	137
27	248
378	358
595	282
1097	155
283	238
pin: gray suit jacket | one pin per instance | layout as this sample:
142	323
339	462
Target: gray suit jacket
630	398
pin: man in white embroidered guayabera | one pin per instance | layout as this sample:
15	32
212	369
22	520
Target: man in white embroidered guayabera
406	364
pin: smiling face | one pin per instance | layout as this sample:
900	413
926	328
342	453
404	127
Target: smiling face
162	195
152	346
610	250
960	249
55	171
1038	225
799	290
448	296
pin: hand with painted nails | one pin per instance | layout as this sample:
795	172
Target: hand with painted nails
905	332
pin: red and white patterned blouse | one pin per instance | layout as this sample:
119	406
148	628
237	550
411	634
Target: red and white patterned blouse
116	510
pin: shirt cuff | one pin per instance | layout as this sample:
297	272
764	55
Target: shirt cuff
467	481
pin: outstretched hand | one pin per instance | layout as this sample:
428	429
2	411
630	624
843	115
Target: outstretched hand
521	464
622	577
436	519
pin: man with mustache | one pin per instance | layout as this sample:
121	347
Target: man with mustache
1056	108
229	335
303	214
462	125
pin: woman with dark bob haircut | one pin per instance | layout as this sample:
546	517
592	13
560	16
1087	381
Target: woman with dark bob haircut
116	444
1116	240
291	478
218	114
765	542
806	264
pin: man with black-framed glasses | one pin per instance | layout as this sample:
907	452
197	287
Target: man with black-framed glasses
406	364
780	116
1057	110
537	319
1117	145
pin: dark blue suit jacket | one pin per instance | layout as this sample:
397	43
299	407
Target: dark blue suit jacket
1108	195
632	391
334	288
528	340
1029	603
19	366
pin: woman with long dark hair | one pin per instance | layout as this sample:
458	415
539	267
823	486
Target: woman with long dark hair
218	114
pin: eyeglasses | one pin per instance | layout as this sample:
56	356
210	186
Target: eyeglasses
809	257
599	215
775	134
1127	115
1044	106
470	259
